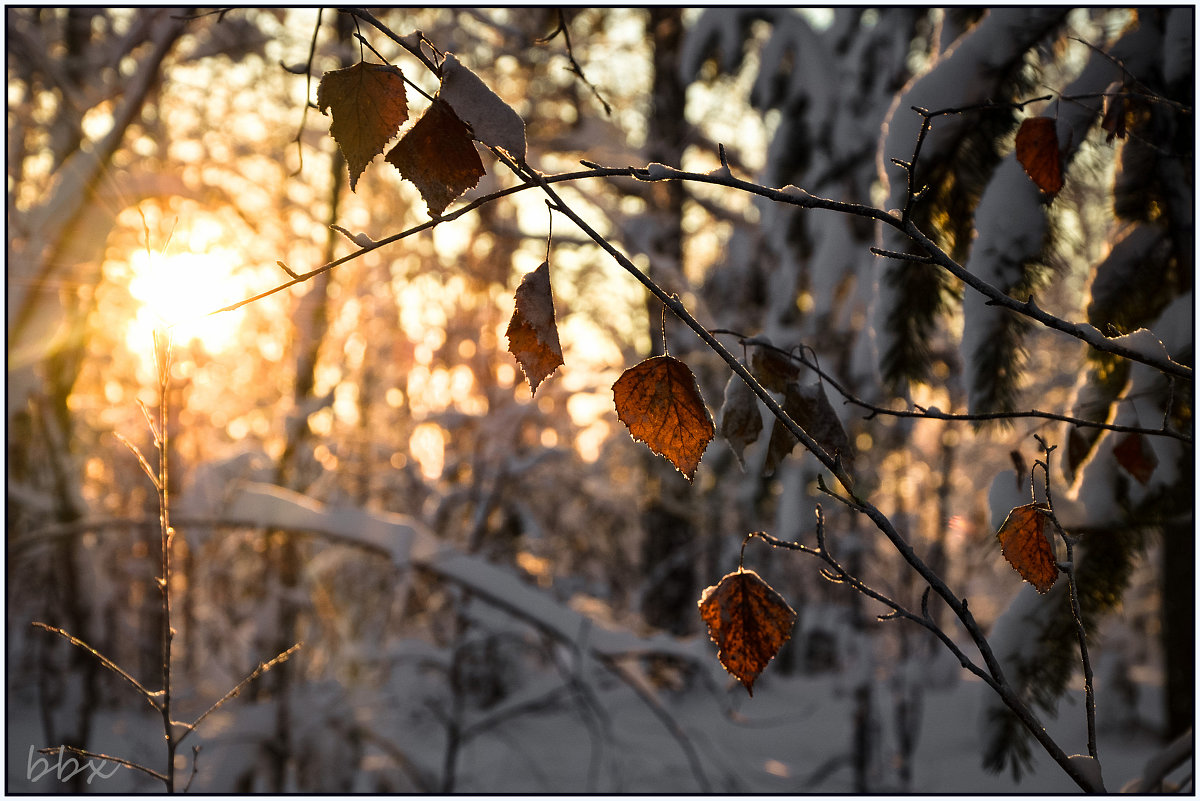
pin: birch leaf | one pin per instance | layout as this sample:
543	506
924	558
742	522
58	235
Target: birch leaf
368	104
660	404
437	155
532	333
749	621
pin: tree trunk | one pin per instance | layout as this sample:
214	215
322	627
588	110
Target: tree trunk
668	552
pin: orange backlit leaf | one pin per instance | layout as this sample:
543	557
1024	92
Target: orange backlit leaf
368	104
741	422
1024	543
660	404
437	155
1136	456
532	334
1037	150
749	621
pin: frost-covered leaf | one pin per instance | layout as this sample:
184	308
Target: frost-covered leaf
1024	543
368	104
748	620
492	121
437	155
659	402
741	422
1037	150
532	333
1135	455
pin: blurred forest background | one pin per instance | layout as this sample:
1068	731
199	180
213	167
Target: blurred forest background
161	163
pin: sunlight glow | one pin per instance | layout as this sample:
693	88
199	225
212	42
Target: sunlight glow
179	290
428	446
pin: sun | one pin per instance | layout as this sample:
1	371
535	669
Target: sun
180	288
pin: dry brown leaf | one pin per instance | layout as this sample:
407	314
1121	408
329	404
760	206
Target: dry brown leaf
1116	112
1024	543
809	406
438	156
532	333
1037	150
368	104
1136	456
659	402
748	620
772	369
741	422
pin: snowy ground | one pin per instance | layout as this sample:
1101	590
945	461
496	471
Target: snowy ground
794	736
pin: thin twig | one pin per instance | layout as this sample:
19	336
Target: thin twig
937	414
125	763
149	695
790	195
162	359
836	572
671	724
416	52
895	254
1145	91
237	689
150	422
312	50
477	203
995	296
195	768
141	459
988	106
575	68
1076	611
363	40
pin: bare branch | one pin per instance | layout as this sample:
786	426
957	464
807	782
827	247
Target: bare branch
312	50
574	66
150	696
93	755
414	50
237	689
995	296
937	414
1076	611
